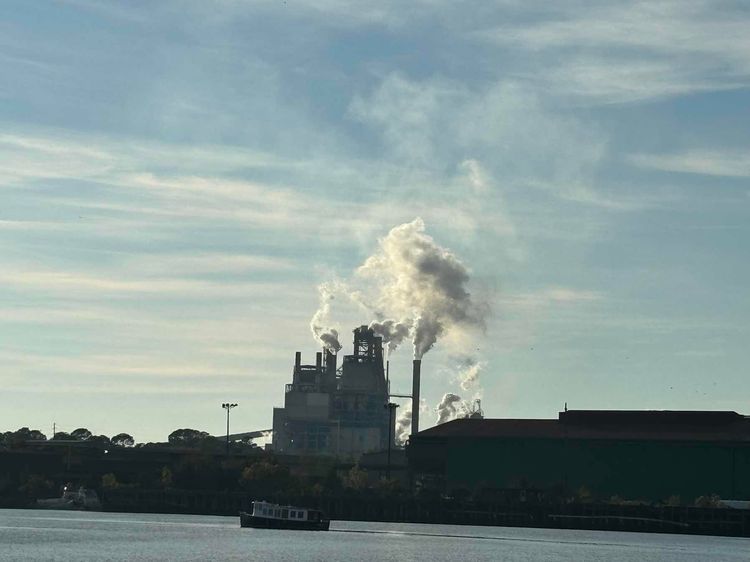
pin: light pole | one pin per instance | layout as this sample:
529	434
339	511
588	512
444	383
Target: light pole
228	407
391	408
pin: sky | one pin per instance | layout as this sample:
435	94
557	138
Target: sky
178	177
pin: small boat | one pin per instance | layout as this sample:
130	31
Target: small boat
81	499
264	515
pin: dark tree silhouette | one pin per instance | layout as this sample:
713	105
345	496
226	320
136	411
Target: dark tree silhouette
187	437
266	473
82	434
99	439
61	436
123	440
36	435
18	437
36	485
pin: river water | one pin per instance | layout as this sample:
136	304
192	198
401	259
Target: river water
70	535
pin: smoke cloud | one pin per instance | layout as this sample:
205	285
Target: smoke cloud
449	408
403	426
392	332
403	421
422	283
319	324
412	288
468	376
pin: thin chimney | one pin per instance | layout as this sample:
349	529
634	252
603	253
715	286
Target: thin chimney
416	373
330	361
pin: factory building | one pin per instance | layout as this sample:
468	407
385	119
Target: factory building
336	411
591	454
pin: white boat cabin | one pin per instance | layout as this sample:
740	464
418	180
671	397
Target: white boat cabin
286	512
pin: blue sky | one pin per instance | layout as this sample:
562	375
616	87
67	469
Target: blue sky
178	177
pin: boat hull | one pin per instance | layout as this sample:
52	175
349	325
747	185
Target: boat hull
249	520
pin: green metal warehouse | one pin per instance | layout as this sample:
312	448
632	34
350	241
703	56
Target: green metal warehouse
634	455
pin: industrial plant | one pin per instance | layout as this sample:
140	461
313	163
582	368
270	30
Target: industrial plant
343	411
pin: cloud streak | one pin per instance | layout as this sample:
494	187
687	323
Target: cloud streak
615	52
726	163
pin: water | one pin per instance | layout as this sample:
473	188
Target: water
67	535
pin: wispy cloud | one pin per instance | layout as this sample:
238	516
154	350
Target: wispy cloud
95	285
29	156
623	52
238	328
202	263
550	297
505	127
117	365
619	79
133	189
728	163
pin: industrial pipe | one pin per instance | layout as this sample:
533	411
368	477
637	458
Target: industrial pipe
416	374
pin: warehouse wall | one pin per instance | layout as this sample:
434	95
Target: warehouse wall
651	470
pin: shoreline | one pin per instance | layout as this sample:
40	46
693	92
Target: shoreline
598	517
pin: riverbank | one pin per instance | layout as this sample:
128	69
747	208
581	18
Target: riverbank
591	516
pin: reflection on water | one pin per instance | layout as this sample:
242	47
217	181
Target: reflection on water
49	535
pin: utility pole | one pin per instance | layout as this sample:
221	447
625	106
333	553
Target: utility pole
228	407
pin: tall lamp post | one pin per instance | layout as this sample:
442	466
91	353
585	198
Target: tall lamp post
228	407
391	409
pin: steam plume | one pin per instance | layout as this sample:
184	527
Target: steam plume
403	421
392	332
449	408
468	376
322	332
421	281
403	425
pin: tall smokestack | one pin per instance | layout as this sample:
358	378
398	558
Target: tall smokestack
416	374
330	361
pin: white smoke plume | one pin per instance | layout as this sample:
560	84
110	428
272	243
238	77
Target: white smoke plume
403	422
427	329
469	374
423	282
392	332
450	407
403	426
319	324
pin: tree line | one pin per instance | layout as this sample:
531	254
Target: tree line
185	437
199	464
24	434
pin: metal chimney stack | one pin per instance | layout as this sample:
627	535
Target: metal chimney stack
416	374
